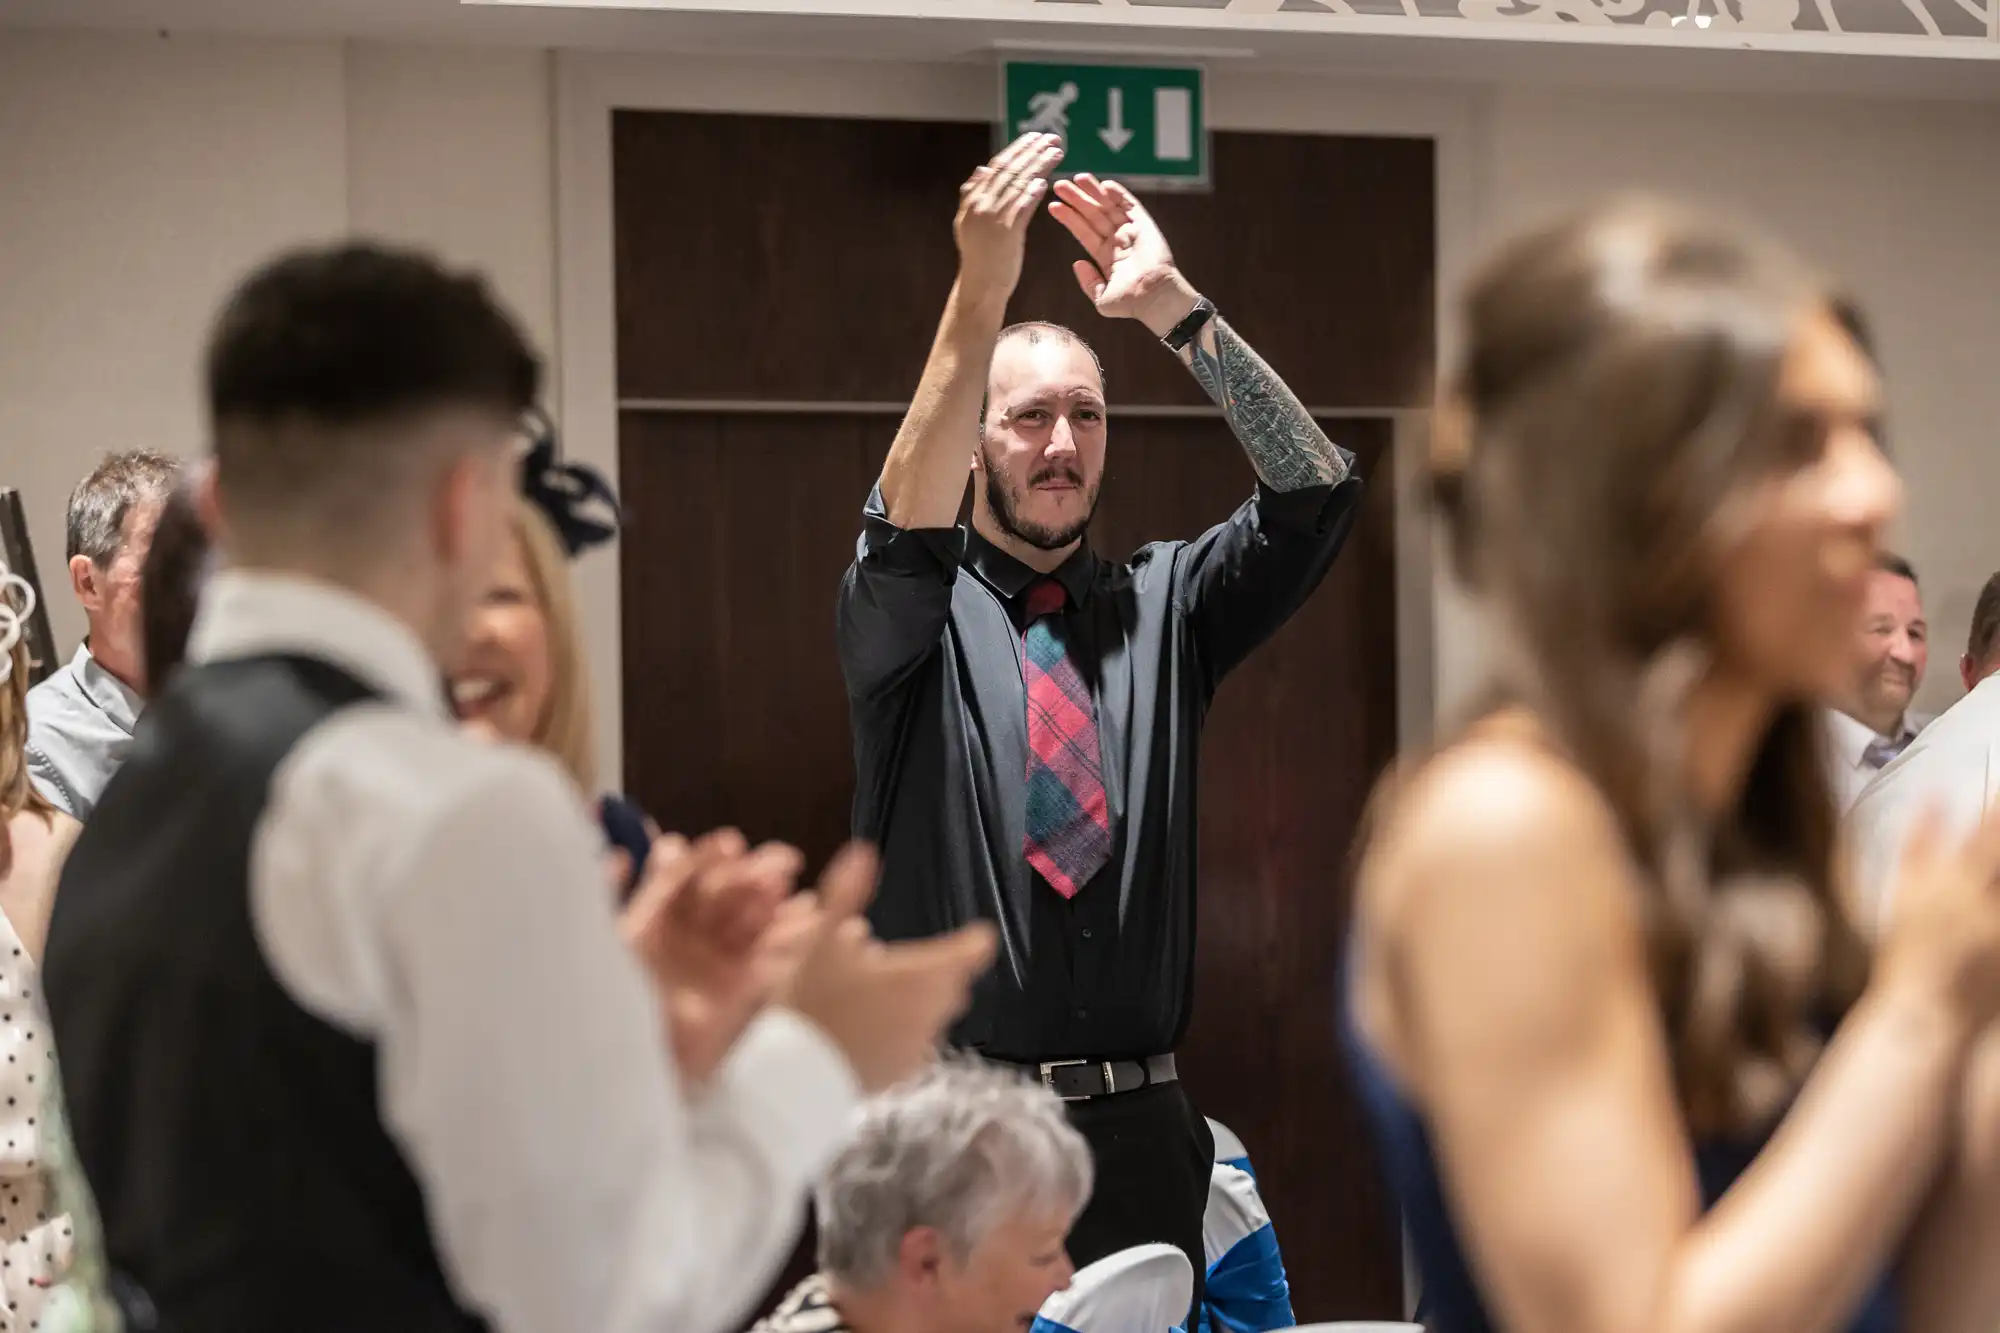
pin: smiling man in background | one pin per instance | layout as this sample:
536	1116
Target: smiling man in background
1874	723
1952	769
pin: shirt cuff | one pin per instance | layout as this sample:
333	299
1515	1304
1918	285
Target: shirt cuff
883	543
1307	510
789	1087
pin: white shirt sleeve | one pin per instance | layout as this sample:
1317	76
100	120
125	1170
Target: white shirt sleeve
570	1184
1956	780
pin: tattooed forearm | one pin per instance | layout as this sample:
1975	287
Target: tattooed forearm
1285	445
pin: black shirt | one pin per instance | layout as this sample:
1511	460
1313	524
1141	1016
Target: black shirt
930	630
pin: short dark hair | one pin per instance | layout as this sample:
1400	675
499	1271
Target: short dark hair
170	586
101	501
1891	563
1985	635
357	332
1033	331
320	345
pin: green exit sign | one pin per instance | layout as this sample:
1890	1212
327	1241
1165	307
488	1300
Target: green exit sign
1142	125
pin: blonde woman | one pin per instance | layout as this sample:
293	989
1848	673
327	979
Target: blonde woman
525	678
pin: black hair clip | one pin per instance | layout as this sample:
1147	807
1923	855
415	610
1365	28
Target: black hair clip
566	493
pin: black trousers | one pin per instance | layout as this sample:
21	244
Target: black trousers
1153	1153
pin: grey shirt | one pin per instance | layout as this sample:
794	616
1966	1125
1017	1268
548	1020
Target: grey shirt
80	724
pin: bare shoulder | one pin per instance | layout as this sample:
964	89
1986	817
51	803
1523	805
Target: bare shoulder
1479	817
1498	879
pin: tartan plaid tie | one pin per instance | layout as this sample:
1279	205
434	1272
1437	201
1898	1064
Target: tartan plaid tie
1069	824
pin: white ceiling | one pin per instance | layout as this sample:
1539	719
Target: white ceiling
1558	55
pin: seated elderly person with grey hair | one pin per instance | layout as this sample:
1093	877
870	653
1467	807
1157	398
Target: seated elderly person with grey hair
946	1211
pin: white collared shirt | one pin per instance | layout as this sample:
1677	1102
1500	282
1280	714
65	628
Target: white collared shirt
1954	763
1848	742
443	899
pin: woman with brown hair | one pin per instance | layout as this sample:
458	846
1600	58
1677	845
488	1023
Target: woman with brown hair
1600	941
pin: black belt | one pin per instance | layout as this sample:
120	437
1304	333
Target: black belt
1080	1080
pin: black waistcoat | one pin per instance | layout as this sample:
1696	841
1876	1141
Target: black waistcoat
243	1176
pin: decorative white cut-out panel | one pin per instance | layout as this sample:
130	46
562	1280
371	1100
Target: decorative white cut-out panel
1966	19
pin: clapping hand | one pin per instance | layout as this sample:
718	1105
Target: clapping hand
1130	273
994	209
716	927
885	1006
721	933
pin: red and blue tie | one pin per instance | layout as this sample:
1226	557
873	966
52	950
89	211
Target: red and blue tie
1069	824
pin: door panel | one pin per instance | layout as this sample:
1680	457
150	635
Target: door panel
817	277
735	714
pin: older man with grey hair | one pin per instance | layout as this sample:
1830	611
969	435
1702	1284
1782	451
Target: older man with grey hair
80	719
946	1211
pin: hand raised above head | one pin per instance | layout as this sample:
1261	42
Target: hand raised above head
994	208
1130	272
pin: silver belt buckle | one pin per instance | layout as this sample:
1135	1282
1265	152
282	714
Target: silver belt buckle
1049	1067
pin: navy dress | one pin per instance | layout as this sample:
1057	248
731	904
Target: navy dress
1451	1298
625	827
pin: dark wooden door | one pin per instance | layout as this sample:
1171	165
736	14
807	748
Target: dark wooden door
817	278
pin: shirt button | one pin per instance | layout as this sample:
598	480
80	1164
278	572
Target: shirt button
1086	932
1083	1013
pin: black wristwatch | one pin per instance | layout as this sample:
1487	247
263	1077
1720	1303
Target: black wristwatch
1183	333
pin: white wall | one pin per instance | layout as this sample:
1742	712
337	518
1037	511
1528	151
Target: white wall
452	150
140	176
137	179
1900	201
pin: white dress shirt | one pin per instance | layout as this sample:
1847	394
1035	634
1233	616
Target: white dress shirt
442	898
1850	766
1953	763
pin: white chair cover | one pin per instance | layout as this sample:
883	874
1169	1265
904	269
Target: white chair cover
1247	1291
1235	1211
1228	1148
1146	1289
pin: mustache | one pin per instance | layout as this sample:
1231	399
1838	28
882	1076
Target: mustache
1064	474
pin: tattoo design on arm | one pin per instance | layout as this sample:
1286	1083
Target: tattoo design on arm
1285	444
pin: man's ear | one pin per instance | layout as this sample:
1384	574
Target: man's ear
207	498
455	498
84	582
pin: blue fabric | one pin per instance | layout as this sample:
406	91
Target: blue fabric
1042	1325
1451	1300
1242	1164
625	827
1246	1291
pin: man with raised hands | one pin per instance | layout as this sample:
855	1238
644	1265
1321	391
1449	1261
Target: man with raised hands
1027	713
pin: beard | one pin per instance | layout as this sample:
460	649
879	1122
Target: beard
1006	500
